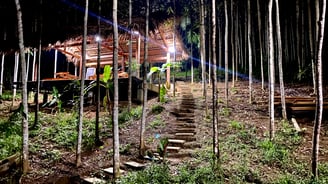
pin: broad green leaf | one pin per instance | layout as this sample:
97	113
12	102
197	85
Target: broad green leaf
107	73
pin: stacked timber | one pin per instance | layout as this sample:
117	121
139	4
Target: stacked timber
297	103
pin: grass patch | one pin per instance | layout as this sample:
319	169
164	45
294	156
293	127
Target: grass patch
10	138
156	123
157	109
155	173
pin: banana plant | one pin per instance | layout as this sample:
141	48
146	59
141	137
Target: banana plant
160	71
105	82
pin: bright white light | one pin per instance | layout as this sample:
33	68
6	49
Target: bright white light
171	49
135	32
98	38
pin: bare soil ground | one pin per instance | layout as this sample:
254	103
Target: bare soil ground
255	114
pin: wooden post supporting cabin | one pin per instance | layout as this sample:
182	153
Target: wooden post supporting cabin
33	65
55	64
15	75
138	54
1	73
27	65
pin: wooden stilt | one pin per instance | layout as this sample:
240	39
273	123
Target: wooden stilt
1	73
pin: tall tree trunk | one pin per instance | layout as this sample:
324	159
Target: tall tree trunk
302	40
202	51
97	139
237	43
174	46
214	87
130	58
319	90
116	141
298	37
259	23
80	122
37	105
25	136
281	71
226	53
250	59
232	42
271	71
142	148
220	32
311	43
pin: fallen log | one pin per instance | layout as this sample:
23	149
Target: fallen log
9	163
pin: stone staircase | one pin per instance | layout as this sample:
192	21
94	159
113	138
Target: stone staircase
181	142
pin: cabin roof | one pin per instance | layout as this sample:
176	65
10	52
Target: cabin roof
161	40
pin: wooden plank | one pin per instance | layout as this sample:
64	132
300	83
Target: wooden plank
135	165
93	180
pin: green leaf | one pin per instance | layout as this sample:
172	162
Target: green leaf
153	70
107	73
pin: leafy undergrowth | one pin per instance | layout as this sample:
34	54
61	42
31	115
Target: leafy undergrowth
247	155
245	158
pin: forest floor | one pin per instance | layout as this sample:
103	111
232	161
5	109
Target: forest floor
235	121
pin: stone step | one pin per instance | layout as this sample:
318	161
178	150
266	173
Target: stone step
187	102
187	106
110	170
187	130
187	138
186	119
172	149
184	110
183	125
183	114
184	134
93	180
176	141
135	165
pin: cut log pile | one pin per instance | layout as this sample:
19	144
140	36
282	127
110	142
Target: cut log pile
296	103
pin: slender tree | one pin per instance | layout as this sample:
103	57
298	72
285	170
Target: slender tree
259	23
271	71
279	50
202	49
82	74
130	58
37	105
25	151
116	158
237	41
319	91
97	139
311	41
232	42
145	86
298	54
174	46
250	59
226	52
214	86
